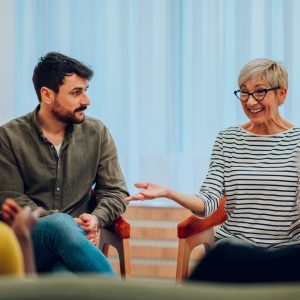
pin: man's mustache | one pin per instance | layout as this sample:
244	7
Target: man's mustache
80	108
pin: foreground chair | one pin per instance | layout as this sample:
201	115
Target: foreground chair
193	232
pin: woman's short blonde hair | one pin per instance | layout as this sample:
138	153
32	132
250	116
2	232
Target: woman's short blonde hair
273	72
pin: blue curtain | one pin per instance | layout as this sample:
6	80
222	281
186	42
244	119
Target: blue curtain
165	70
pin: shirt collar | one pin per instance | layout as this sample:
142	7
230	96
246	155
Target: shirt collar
36	123
69	130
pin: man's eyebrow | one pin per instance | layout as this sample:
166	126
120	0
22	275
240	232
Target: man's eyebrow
79	88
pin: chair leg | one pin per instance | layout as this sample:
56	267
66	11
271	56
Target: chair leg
185	247
108	239
124	257
105	249
183	257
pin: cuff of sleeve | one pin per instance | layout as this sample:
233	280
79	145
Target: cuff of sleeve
206	207
45	213
102	217
97	220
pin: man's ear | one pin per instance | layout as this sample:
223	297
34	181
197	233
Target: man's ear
281	96
47	95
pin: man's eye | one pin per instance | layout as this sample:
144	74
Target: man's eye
244	93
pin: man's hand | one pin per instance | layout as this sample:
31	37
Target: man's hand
90	224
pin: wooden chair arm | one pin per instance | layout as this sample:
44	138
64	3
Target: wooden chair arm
193	232
193	225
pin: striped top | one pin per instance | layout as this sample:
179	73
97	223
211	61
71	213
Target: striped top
259	175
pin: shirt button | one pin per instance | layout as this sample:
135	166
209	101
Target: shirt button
58	189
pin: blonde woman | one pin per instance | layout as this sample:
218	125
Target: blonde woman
254	164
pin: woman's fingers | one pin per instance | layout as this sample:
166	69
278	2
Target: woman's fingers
141	185
135	197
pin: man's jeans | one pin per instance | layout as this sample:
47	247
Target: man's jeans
61	245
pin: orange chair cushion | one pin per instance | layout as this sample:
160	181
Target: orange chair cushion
121	228
193	225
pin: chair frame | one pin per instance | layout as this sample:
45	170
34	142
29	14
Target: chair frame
119	239
193	232
116	235
185	247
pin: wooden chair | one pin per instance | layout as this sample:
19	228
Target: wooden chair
116	235
193	232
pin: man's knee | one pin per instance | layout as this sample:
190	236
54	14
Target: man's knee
59	224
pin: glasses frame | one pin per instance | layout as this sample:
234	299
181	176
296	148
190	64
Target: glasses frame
252	94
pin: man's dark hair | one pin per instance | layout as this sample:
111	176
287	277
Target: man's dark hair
52	69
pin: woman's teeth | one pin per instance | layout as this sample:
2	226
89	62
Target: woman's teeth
256	110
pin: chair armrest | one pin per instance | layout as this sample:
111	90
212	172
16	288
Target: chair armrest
193	232
193	225
120	228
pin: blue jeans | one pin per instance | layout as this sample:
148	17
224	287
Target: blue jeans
61	245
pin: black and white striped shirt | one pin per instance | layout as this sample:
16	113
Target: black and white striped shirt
259	175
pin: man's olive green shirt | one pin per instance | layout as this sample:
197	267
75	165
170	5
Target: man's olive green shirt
34	174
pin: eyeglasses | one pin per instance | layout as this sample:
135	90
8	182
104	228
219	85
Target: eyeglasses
258	95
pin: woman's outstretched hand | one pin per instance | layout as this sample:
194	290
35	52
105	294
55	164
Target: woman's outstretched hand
149	191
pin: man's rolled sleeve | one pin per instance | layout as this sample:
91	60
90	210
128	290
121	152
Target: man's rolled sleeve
110	183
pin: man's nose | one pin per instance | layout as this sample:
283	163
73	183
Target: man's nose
85	100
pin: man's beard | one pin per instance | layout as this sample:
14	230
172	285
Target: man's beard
70	117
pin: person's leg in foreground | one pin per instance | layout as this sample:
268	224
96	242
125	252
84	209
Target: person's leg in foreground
60	245
235	262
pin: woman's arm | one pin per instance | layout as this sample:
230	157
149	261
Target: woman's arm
151	191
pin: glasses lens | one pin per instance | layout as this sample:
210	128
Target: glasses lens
243	95
259	94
